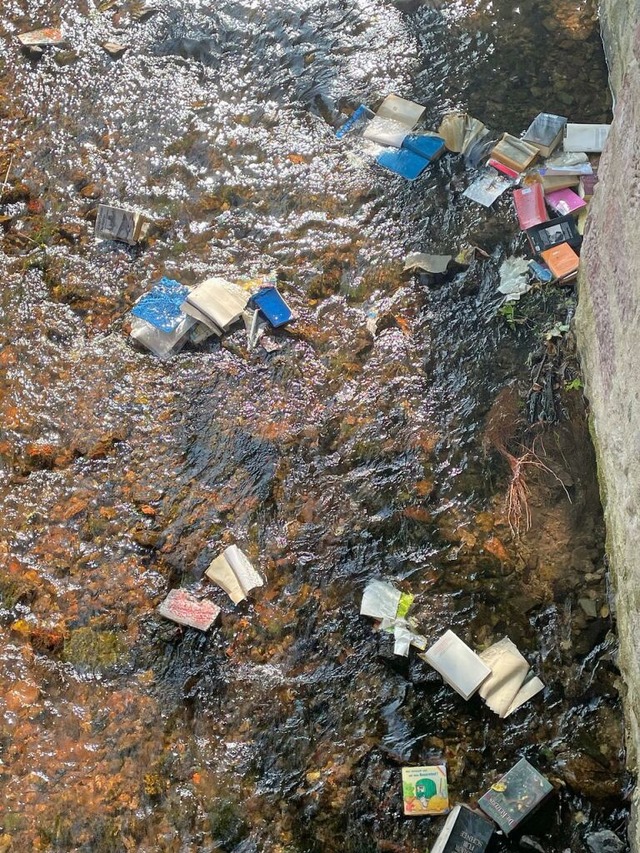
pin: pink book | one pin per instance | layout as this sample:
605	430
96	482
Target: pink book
565	201
529	204
181	607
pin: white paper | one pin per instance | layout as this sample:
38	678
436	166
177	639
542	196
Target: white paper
220	300
233	571
386	131
427	263
380	600
459	665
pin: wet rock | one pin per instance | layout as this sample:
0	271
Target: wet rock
66	57
605	841
92	650
588	777
91	191
529	843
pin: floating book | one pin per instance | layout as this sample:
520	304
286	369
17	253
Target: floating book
552	182
545	132
116	223
511	682
233	571
585	137
488	188
514	152
569	163
464	831
424	790
181	607
459	665
530	207
161	344
394	119
562	261
565	201
500	167
548	234
273	306
161	305
461	132
218	300
48	37
510	800
416	153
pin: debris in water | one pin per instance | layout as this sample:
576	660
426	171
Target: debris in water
182	607
233	571
458	664
511	683
425	790
48	37
521	790
116	223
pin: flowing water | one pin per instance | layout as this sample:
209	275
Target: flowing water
342	457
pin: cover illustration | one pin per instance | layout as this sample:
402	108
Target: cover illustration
513	797
424	790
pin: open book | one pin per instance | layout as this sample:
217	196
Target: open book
232	571
511	682
221	301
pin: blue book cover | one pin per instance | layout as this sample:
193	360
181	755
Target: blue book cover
161	306
429	147
403	162
273	306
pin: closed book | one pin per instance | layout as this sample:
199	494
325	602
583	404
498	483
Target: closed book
181	607
459	665
565	201
587	186
514	797
545	132
562	261
562	229
464	831
116	223
424	790
427	145
553	182
513	152
585	137
530	207
500	167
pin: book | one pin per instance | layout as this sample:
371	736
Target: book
562	261
417	151
116	223
181	607
585	137
552	182
562	229
393	120
461	132
514	797
530	207
510	684
568	163
545	132
424	790
464	831
272	305
358	119
459	665
506	170
233	571
488	187
513	152
161	305
565	201
219	300
587	185
161	344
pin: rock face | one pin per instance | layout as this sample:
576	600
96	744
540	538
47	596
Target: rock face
607	323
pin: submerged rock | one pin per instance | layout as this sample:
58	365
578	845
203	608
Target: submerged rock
605	841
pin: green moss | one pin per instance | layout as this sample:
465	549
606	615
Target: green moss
227	825
93	650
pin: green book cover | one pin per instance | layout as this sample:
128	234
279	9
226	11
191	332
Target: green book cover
424	790
511	799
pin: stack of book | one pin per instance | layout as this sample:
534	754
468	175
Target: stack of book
158	321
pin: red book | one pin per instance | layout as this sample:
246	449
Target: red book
530	206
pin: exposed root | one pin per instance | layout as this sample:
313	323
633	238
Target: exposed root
517	500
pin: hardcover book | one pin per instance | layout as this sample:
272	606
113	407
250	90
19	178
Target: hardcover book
233	571
585	137
416	153
464	831
424	790
459	665
530	207
548	234
545	132
514	152
513	797
562	261
565	201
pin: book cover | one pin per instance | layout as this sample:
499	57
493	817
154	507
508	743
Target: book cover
424	790
220	300
585	137
530	207
545	132
181	607
459	665
116	223
513	152
464	831
565	201
487	188
427	145
161	305
513	797
403	162
548	234
562	261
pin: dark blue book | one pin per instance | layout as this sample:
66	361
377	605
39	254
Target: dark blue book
161	306
464	831
273	306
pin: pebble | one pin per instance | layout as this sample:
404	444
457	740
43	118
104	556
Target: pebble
605	841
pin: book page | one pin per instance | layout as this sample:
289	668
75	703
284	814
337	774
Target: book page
246	576
380	600
221	573
508	672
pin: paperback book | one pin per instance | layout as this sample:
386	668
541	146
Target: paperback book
548	234
514	797
233	571
565	201
425	791
464	831
514	152
530	206
415	154
459	665
586	137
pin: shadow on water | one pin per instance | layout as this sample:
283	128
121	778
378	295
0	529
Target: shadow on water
344	456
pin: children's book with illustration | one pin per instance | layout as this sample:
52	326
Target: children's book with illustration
513	797
464	831
424	790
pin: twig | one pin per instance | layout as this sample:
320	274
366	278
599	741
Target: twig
6	177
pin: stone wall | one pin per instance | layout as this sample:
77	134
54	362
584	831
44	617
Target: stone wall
608	329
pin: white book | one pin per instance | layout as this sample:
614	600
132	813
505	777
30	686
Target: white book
162	344
233	571
393	120
585	137
511	683
386	131
400	109
219	300
380	600
198	315
459	665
